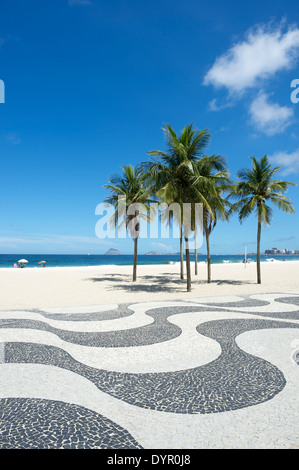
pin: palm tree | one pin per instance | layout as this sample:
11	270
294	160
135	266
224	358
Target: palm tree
171	217
220	208
214	169
255	190
173	173
131	189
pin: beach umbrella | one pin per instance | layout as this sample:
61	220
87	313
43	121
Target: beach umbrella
22	261
42	262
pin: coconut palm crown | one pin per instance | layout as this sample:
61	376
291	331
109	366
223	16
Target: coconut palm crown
130	188
174	176
256	188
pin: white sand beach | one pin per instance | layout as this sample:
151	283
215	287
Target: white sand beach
86	286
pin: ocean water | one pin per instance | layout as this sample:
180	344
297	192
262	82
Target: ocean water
8	261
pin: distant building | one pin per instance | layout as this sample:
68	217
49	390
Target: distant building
275	251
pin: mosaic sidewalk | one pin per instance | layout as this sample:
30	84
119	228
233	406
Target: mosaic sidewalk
198	374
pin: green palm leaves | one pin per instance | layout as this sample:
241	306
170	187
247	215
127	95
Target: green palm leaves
218	208
256	188
129	188
185	175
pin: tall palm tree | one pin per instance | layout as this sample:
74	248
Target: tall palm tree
257	188
174	172
130	187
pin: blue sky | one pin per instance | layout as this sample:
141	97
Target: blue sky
90	84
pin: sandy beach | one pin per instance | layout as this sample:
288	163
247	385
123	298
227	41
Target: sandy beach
31	288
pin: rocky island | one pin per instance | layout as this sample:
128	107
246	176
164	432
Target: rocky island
113	251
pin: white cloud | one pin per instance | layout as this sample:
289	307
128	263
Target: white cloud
13	138
51	241
269	118
215	106
263	53
288	160
73	3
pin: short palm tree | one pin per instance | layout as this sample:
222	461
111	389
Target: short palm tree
257	188
220	209
130	187
212	168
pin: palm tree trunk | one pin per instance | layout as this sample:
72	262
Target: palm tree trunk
135	260
182	254
188	268
195	250
208	255
258	249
